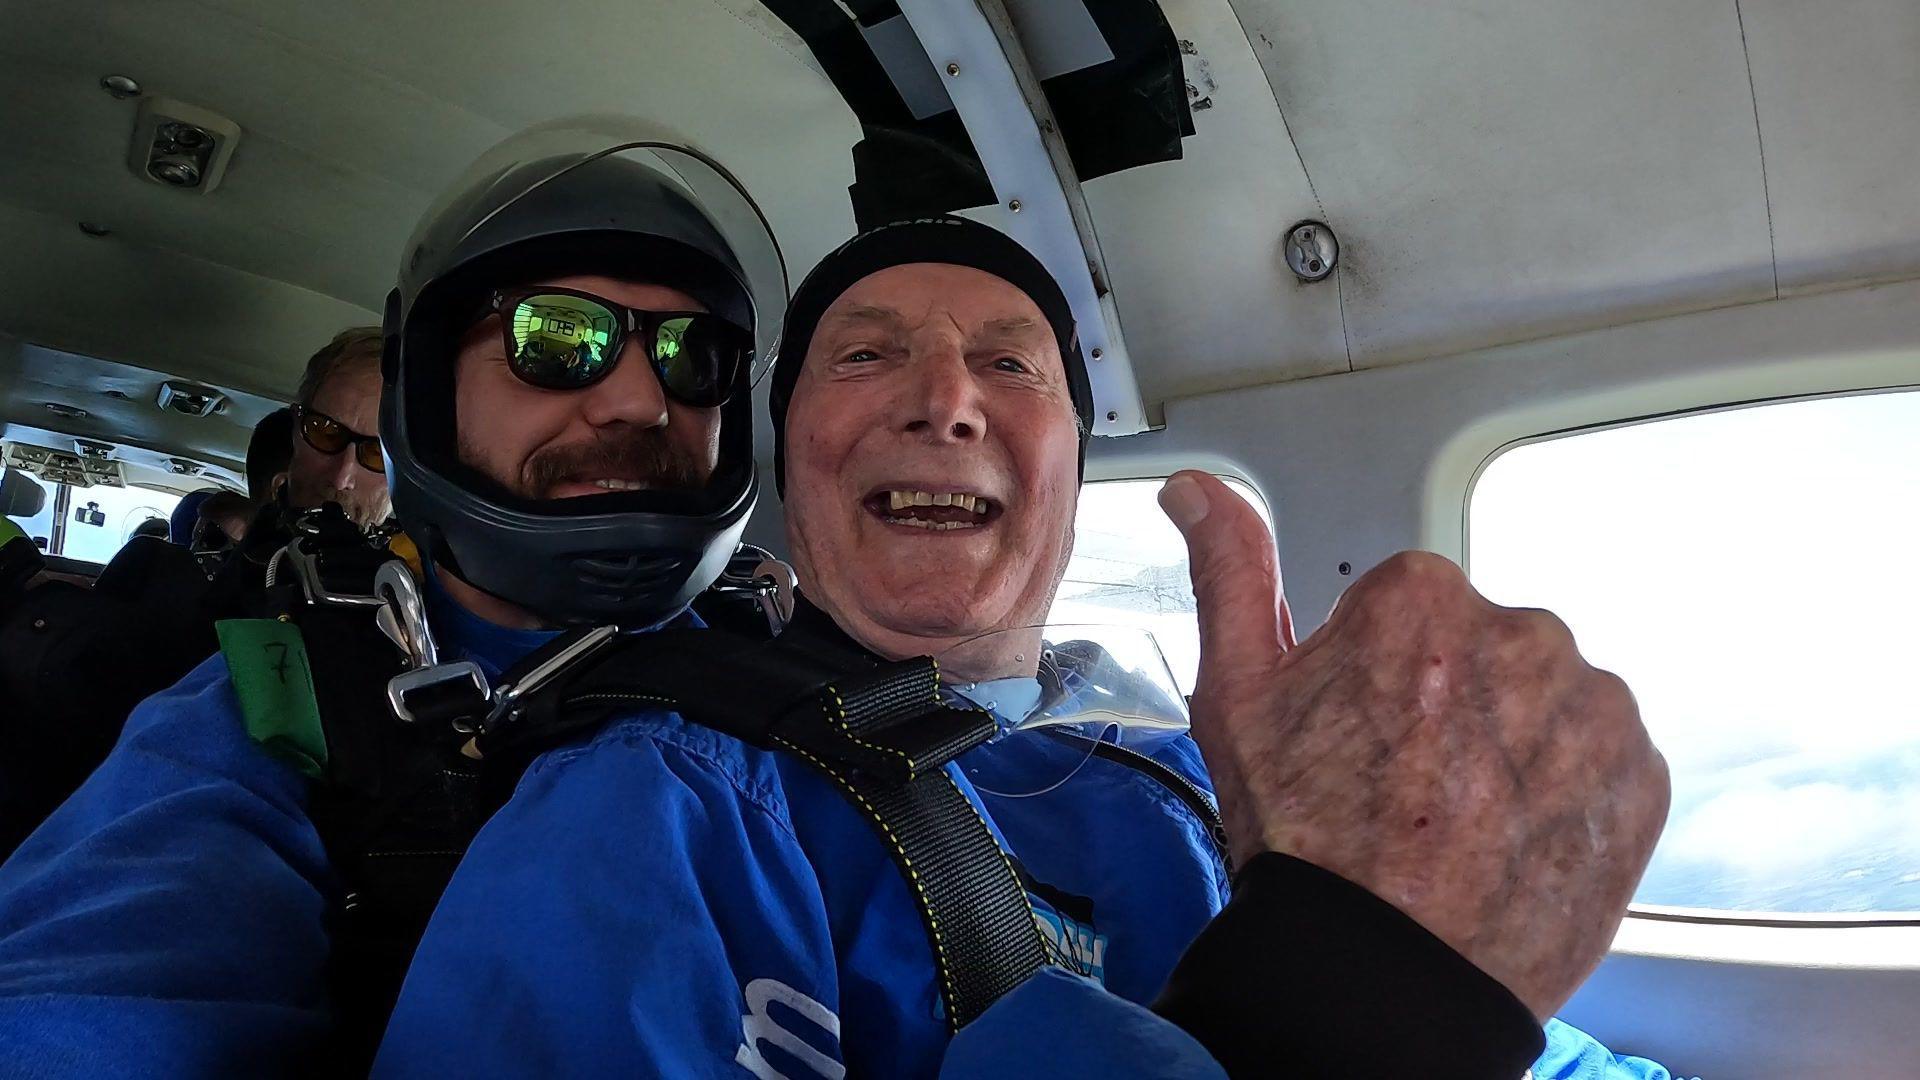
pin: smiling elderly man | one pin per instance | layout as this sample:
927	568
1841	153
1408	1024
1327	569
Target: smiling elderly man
931	411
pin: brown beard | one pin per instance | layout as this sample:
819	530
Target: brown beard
642	454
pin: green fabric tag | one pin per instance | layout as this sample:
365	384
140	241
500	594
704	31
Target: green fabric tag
268	661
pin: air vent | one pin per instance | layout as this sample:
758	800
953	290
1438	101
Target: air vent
190	399
181	146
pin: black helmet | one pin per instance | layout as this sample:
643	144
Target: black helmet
578	196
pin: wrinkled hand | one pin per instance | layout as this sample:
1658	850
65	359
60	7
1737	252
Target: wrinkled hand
1458	759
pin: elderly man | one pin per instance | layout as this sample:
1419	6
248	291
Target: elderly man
929	448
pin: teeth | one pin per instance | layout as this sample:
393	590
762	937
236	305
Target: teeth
900	500
935	526
620	485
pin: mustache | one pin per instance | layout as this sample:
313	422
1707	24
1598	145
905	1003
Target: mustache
642	454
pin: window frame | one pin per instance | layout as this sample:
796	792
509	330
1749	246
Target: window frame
1140	474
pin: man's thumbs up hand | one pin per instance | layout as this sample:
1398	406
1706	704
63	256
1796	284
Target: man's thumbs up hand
1458	759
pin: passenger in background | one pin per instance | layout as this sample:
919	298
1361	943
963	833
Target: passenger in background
269	453
335	455
222	522
313	452
185	518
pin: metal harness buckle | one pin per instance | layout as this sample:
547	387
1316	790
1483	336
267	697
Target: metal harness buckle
754	572
403	618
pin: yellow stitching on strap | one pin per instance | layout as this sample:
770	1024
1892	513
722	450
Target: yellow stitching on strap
948	990
1006	862
840	721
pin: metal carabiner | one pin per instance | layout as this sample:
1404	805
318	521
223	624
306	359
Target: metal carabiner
403	614
403	618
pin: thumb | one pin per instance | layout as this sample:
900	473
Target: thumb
1244	622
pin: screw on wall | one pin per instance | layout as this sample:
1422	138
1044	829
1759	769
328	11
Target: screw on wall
1312	250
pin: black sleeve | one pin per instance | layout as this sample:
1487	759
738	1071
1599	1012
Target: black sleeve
1306	974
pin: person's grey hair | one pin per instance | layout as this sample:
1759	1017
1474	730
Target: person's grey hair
356	344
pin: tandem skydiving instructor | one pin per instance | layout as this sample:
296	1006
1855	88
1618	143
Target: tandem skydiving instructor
567	424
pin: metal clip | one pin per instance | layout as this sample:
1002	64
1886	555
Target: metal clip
403	618
403	614
306	570
408	683
508	697
770	582
776	595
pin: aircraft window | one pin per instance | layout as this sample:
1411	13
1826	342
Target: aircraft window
120	512
39	525
1129	568
1751	574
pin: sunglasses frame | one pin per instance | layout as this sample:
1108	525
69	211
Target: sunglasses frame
645	323
354	439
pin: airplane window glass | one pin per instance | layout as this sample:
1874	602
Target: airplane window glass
41	524
1129	568
120	512
1752	575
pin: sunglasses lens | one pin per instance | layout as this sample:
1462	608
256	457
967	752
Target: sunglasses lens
369	455
561	342
323	434
697	357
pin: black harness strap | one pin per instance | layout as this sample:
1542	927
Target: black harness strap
396	812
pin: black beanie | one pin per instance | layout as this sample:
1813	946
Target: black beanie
952	240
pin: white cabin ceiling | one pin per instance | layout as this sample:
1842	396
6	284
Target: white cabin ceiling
1497	170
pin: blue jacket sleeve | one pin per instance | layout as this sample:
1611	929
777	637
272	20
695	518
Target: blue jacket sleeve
640	905
167	919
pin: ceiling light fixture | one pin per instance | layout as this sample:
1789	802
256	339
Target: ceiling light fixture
180	145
